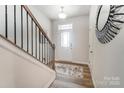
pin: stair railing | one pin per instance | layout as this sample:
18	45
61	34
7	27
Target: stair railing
31	39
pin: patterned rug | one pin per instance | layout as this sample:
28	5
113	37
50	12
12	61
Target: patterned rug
72	76
74	71
68	76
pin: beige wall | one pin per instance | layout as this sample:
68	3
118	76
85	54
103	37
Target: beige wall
17	69
44	21
79	39
108	61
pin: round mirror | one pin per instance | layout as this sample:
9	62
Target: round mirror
102	16
109	19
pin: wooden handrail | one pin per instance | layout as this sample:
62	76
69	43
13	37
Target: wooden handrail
37	23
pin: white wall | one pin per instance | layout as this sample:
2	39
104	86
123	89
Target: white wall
17	69
108	61
43	20
80	39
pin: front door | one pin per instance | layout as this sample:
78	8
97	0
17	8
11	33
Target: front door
65	44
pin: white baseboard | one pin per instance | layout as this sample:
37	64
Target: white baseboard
50	82
91	71
78	62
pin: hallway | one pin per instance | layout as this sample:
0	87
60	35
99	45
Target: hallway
71	75
73	46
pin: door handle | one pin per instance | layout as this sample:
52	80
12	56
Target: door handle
91	51
70	45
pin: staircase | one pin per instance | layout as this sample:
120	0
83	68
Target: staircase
26	52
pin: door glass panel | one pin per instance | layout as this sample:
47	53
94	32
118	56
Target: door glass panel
65	39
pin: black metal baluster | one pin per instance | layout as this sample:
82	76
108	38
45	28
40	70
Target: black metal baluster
27	34
15	24
6	24
36	40
46	52
52	54
49	52
42	48
39	45
32	36
21	27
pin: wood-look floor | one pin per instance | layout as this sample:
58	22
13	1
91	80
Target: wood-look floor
87	79
63	81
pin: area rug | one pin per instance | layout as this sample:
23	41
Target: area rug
74	71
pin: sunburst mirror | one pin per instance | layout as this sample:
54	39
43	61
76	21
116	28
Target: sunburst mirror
108	22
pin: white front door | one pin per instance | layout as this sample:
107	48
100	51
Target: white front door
65	44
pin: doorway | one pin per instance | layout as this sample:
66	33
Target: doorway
65	44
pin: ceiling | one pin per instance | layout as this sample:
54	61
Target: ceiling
52	11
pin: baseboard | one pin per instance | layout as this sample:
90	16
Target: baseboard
92	75
70	62
50	82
